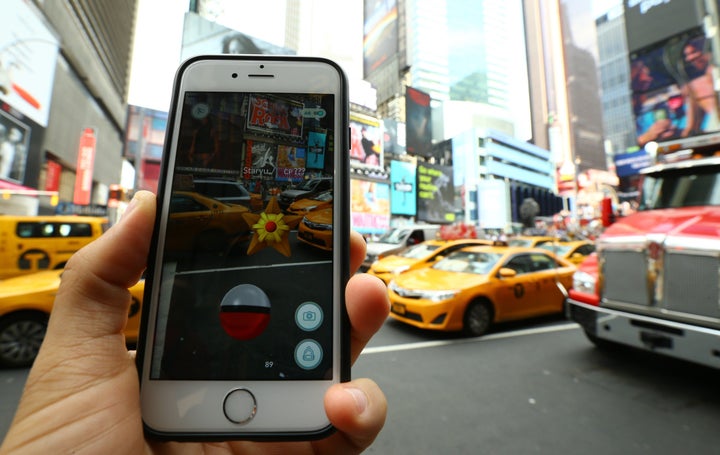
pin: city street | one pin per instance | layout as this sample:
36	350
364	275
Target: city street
531	387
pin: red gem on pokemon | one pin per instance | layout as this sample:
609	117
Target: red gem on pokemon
270	226
245	312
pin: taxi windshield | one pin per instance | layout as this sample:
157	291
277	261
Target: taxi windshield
559	250
479	263
394	236
418	251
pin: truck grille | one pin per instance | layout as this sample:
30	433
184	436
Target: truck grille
688	282
691	284
625	277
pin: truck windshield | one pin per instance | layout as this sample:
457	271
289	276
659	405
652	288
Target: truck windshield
681	188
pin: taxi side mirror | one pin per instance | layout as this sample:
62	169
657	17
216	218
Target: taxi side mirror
506	273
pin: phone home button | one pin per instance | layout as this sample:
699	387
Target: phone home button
239	406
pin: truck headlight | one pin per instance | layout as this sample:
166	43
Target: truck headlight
584	282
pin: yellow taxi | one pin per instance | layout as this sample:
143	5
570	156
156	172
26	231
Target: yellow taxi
475	287
316	229
30	244
202	223
574	251
25	305
530	241
418	256
316	202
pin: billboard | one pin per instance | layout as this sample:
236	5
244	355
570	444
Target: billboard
393	137
418	125
14	145
380	33
435	193
366	140
673	96
369	206
650	21
201	36
403	189
27	60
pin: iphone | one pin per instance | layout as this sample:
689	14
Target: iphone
244	324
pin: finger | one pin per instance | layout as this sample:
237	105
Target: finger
93	298
357	409
357	251
367	305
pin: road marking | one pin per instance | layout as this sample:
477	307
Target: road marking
494	336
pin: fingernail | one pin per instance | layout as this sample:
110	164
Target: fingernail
361	400
133	203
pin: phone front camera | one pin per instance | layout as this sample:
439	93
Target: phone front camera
262	66
234	75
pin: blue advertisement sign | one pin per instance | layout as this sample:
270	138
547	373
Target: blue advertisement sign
631	163
403	188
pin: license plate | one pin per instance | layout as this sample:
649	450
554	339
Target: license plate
398	308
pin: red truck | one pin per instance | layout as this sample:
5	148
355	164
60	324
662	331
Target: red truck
654	283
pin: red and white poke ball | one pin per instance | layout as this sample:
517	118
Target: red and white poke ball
245	312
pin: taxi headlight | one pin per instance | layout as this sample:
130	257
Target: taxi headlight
400	269
584	282
437	296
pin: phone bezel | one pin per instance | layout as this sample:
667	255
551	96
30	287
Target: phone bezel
286	409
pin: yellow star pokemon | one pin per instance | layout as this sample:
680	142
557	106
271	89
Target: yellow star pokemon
271	228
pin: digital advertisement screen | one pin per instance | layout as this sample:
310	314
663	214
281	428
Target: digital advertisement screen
403	188
673	96
366	141
435	193
370	206
380	33
650	21
418	128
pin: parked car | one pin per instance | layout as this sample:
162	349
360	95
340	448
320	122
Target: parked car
25	305
397	240
307	189
417	256
476	287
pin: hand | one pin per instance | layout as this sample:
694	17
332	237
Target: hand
82	394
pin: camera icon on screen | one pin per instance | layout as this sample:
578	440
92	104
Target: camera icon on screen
308	316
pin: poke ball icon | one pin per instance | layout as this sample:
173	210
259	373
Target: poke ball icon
245	312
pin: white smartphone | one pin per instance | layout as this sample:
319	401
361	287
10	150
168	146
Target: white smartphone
244	324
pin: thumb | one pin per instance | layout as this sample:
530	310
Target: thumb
92	301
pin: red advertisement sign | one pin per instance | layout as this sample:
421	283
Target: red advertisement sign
272	115
85	165
52	178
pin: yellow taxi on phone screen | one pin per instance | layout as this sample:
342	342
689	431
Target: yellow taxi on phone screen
25	305
475	287
418	256
316	228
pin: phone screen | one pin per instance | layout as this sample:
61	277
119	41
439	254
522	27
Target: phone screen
246	269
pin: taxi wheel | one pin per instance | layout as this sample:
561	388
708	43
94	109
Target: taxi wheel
477	319
21	335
